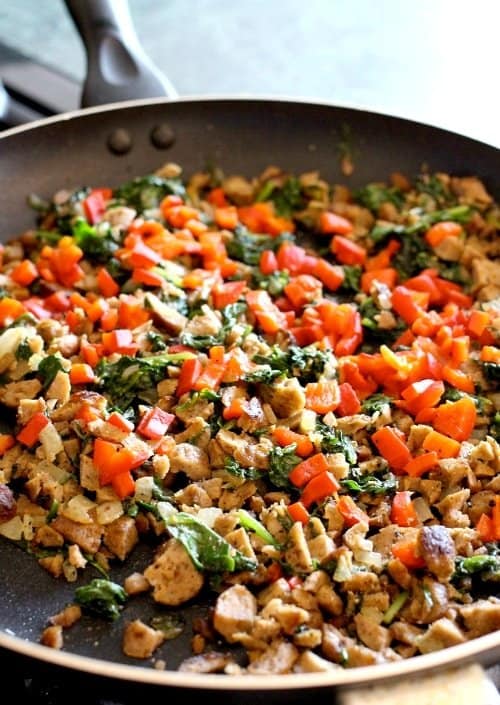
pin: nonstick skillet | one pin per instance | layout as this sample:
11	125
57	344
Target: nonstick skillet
115	142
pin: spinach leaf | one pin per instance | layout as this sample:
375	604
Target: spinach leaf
230	316
334	441
374	334
250	523
305	363
23	351
373	195
207	550
494	429
247	247
358	482
485	565
133	378
491	371
97	246
459	214
413	256
234	468
273	283
157	341
48	369
375	404
263	375
352	278
102	598
48	237
432	186
454	273
146	192
287	198
281	462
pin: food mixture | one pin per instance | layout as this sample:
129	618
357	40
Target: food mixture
288	388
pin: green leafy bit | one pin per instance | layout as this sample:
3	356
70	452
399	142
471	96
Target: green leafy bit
53	511
48	369
208	551
230	315
247	247
146	192
373	195
358	482
98	245
24	351
156	340
305	363
352	278
172	625
413	256
375	404
203	394
458	214
281	463
486	566
48	237
286	198
263	375
494	429
395	607
250	523
102	598
422	222
491	371
273	283
234	468
334	441
433	186
369	313
135	377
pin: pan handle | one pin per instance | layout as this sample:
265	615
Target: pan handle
466	685
117	66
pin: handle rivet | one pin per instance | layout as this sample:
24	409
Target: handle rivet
119	141
162	136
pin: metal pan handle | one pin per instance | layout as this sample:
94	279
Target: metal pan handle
117	66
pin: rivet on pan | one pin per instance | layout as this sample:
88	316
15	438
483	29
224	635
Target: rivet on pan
162	136
119	141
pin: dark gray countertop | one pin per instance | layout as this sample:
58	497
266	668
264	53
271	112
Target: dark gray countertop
431	60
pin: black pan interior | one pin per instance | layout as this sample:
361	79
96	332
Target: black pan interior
239	136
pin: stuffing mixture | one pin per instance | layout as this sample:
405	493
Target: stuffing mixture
289	388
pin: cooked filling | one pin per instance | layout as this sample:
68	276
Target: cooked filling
288	388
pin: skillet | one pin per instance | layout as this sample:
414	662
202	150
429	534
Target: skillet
109	144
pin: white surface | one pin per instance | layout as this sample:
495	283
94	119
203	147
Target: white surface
435	61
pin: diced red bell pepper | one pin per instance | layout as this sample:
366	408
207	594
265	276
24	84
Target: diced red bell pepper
155	423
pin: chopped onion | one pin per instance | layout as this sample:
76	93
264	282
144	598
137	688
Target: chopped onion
107	512
78	508
12	529
166	510
209	515
423	510
144	489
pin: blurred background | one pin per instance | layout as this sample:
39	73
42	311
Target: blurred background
432	60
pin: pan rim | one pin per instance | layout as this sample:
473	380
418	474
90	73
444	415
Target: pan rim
236	98
448	658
